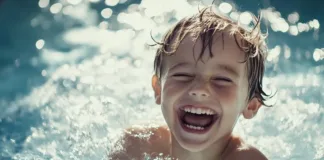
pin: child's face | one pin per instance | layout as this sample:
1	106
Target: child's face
218	84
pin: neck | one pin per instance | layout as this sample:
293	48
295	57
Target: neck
214	152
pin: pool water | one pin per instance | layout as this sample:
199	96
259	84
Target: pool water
74	73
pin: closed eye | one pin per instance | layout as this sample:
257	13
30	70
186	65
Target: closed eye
183	76
222	79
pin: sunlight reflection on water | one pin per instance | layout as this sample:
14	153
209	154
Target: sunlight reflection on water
84	104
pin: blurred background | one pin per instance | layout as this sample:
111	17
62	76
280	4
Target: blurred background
74	73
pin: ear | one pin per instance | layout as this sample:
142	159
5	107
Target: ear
156	85
252	108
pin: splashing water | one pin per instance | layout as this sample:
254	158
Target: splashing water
96	81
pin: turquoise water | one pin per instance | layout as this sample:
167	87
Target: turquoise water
74	73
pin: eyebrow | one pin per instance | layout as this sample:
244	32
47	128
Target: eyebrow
228	69
179	65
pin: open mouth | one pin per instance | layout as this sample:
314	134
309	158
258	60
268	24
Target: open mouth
197	120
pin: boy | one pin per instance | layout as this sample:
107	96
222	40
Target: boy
208	72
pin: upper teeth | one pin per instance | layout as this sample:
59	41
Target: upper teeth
199	111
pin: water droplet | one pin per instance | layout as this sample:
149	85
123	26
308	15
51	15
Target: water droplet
40	44
245	18
293	30
106	13
111	2
56	8
44	73
43	3
225	7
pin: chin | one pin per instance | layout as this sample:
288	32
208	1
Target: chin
194	147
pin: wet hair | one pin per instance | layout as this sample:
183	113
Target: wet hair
203	26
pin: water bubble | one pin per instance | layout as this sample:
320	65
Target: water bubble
74	2
44	73
111	2
43	3
245	18
293	30
318	54
234	15
135	7
293	17
67	10
287	52
40	44
103	25
225	7
283	26
106	13
302	27
316	24
56	8
122	1
94	1
274	53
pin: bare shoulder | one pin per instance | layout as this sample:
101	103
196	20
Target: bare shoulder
244	151
139	140
250	153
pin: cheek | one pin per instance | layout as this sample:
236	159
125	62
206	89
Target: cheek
171	92
227	94
168	95
171	88
231	101
231	105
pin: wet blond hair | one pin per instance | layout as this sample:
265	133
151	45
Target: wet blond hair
203	26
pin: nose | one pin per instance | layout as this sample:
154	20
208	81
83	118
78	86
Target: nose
199	90
199	93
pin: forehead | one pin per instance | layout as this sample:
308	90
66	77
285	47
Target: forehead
225	50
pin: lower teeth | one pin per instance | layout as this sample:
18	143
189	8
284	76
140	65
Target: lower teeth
194	127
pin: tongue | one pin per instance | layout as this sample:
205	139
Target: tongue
197	119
